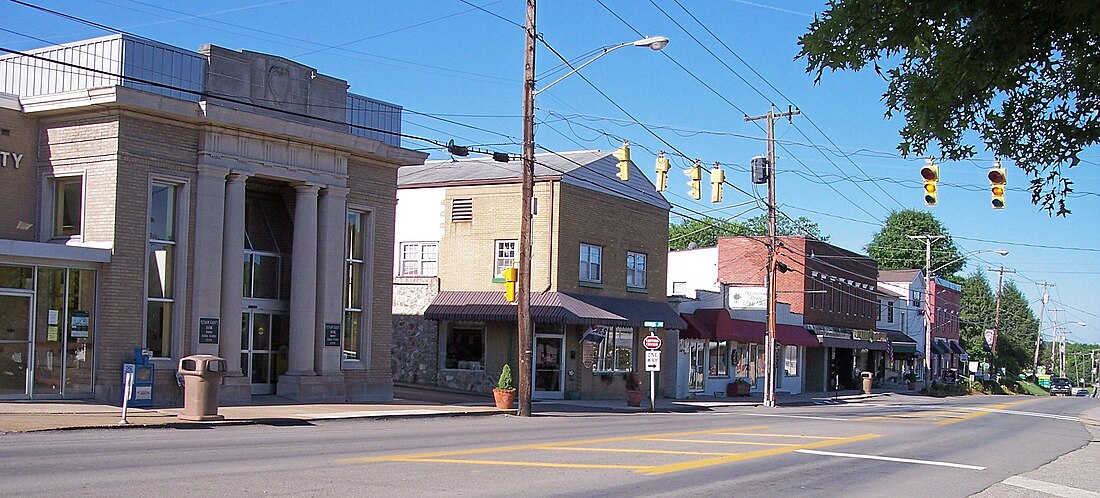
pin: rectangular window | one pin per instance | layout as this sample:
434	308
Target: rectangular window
419	259
353	285
504	257
68	209
161	269
890	312
465	347
746	362
616	351
591	266
718	359
635	270
790	361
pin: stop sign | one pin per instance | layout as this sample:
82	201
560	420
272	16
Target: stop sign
652	342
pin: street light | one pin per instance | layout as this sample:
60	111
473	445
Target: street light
523	257
928	271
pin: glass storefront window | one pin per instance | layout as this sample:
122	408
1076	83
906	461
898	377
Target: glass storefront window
78	348
16	277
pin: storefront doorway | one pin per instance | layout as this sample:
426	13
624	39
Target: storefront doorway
697	357
15	345
549	368
264	339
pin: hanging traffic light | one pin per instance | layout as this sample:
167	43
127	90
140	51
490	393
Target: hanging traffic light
931	174
510	277
997	180
695	174
662	172
623	155
717	177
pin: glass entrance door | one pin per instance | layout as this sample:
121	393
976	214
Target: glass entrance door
697	357
15	345
548	366
264	339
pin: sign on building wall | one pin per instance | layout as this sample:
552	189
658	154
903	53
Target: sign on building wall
209	330
748	298
10	159
332	334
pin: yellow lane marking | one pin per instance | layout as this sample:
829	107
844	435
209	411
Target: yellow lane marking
977	414
627	450
709	462
756	434
521	464
711	441
536	446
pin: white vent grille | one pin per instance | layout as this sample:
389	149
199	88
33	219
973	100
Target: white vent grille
462	210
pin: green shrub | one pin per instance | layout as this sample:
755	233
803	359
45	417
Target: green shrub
505	380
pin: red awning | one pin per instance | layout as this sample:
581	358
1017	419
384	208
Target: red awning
716	324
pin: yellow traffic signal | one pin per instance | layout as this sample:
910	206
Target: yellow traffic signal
510	277
717	177
662	171
997	180
931	175
695	174
623	155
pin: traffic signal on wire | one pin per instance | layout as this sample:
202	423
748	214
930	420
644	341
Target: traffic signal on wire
662	172
623	155
695	175
717	177
510	276
931	175
997	181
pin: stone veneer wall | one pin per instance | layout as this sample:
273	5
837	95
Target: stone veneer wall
415	349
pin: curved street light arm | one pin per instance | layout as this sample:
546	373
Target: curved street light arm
654	42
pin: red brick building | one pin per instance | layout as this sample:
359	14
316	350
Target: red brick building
833	288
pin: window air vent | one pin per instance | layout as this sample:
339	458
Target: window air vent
462	210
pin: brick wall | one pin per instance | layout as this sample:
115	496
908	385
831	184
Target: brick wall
20	186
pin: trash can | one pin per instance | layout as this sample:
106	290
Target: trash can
202	374
867	378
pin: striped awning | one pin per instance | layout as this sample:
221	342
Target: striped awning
552	307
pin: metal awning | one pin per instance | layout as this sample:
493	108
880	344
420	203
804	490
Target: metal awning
839	342
552	307
956	347
901	343
940	347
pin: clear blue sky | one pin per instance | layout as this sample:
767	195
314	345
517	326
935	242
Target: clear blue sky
458	72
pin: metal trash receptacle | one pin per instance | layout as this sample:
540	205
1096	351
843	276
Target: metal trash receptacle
202	375
867	378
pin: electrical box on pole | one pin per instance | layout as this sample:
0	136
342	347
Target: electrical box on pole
759	170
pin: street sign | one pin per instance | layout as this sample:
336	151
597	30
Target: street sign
652	342
654	325
652	361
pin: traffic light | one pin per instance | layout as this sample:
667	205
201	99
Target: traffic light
510	277
662	172
717	177
623	155
695	174
997	181
931	174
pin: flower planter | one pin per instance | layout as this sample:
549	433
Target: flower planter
737	389
634	398
504	398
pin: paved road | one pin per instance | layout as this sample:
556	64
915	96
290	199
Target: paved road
912	446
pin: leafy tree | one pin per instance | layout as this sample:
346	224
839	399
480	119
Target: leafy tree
894	250
758	225
1024	75
1016	337
702	233
976	311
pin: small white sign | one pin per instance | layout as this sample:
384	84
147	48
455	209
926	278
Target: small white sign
652	361
748	298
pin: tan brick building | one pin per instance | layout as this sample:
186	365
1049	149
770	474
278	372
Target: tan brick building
598	262
188	202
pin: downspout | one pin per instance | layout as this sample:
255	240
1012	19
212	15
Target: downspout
550	239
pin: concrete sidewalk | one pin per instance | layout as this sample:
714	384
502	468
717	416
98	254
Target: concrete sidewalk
411	401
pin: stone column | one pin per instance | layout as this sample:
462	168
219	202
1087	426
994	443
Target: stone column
209	222
232	269
330	275
303	283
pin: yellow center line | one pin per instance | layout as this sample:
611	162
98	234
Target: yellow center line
537	446
709	462
975	414
710	441
521	464
627	450
757	434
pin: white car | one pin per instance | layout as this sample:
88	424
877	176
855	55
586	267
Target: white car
1080	391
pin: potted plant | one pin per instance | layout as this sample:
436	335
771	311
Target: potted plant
634	392
911	381
739	387
505	392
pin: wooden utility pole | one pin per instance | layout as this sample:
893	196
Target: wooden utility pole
997	313
769	336
1039	333
523	283
928	309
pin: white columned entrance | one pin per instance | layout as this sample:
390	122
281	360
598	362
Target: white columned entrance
210	214
303	282
331	226
232	278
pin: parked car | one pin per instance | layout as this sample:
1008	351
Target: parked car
1081	391
1061	386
